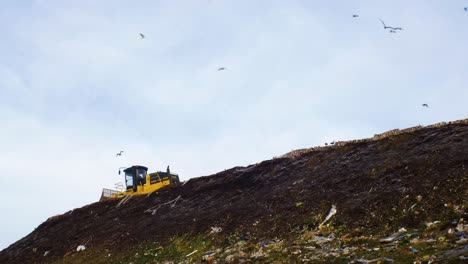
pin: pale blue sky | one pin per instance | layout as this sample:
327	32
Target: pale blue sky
77	84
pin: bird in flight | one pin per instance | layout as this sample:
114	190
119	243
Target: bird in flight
119	153
142	36
466	9
392	31
425	105
391	28
221	68
355	15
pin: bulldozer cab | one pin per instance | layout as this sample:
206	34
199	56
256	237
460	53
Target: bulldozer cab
135	176
138	181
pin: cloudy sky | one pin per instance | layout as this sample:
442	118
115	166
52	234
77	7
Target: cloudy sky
78	84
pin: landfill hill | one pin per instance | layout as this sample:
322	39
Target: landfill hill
398	197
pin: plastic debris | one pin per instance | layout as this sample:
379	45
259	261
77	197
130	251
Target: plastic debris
193	252
81	248
432	224
296	252
320	240
330	214
419	198
394	236
155	208
124	201
46	253
383	259
215	229
406	235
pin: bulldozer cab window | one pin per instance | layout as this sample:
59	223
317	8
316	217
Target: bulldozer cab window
129	180
141	175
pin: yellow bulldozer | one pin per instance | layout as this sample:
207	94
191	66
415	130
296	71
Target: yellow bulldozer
138	181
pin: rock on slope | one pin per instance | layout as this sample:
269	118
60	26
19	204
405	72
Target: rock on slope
411	185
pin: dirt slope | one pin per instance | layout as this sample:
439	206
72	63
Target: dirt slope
408	179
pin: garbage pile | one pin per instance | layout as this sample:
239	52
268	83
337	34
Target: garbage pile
396	199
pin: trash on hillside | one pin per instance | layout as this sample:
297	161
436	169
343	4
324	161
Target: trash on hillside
80	248
320	240
46	253
155	208
406	235
296	252
394	235
257	254
432	224
383	259
193	252
330	214
419	198
124	201
215	229
208	256
299	204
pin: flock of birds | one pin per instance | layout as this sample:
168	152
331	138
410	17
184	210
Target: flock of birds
390	30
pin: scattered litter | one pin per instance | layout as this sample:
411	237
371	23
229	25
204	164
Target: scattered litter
419	198
406	235
361	260
189	254
298	181
320	240
81	248
432	224
394	236
46	253
175	201
155	208
124	201
299	204
414	250
208	256
296	252
215	229
330	214
258	254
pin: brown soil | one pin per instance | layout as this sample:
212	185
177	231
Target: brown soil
371	183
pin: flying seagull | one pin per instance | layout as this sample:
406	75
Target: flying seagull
119	153
425	105
355	15
392	31
466	9
391	28
221	68
142	36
